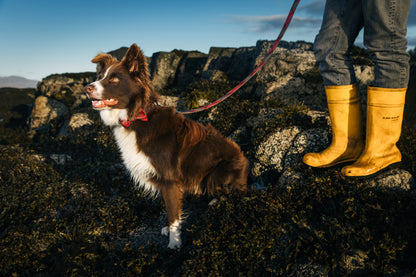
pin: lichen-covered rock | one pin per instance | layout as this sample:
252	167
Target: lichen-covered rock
242	63
395	179
79	120
163	69
309	270
271	154
45	110
218	63
67	88
354	261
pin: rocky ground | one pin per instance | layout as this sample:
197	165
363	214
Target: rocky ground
69	208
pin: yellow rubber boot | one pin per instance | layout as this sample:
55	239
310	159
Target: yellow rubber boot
384	123
347	142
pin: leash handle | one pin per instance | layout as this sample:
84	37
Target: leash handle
232	91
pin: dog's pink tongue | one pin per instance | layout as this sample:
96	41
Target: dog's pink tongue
104	103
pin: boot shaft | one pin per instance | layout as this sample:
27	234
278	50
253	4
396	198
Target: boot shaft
384	116
344	107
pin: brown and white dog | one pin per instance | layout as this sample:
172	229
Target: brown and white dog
164	152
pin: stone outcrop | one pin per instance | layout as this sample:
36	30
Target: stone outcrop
66	88
163	68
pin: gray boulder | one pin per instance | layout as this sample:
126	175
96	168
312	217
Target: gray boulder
45	110
163	69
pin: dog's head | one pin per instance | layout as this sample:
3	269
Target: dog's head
122	85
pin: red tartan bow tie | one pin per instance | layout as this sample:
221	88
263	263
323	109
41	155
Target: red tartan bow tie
141	116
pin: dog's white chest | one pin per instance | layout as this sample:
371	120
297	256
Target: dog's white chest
139	165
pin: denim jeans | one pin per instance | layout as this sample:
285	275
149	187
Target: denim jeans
384	23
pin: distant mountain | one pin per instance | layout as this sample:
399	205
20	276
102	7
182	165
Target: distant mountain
17	82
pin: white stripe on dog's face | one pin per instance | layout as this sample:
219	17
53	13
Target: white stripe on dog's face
99	89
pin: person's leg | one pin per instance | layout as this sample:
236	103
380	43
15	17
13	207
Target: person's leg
384	36
341	24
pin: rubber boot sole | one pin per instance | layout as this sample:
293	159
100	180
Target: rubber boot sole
375	174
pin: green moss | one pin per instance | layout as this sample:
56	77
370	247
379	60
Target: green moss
179	52
205	90
80	75
228	117
313	76
65	96
294	115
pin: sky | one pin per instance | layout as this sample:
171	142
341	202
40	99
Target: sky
43	37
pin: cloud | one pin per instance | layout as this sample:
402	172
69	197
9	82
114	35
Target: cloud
312	18
315	8
264	24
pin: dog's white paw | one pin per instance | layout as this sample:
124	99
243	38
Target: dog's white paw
165	231
174	242
175	235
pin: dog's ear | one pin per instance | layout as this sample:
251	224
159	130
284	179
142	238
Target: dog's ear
103	61
135	62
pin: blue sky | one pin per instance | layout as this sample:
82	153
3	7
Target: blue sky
42	37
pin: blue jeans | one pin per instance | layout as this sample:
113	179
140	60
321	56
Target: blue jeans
384	23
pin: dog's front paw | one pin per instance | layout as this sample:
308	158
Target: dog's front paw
175	241
174	237
165	231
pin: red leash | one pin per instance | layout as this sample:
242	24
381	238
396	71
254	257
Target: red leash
231	92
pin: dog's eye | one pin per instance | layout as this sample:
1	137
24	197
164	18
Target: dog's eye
114	80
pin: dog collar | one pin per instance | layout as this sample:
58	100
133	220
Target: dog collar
141	116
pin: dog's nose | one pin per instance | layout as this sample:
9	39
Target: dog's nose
89	88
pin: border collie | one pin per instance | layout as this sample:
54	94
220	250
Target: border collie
164	152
